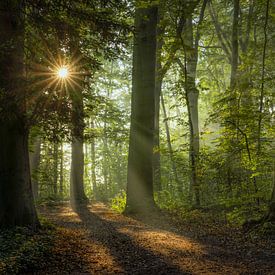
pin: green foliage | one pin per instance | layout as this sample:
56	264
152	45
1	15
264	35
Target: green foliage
118	203
21	249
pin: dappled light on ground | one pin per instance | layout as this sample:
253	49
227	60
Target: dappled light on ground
109	243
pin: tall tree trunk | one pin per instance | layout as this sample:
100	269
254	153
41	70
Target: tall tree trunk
77	194
140	160
271	212
161	70
94	183
192	96
261	107
55	168
16	198
235	45
105	162
61	176
169	144
34	165
158	86
156	155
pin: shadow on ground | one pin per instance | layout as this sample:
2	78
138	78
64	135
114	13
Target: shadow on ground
133	245
133	258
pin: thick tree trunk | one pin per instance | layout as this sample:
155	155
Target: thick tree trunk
158	86
77	194
140	159
34	165
16	198
156	156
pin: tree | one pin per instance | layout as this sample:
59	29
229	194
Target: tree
16	198
140	158
34	164
189	70
77	194
161	70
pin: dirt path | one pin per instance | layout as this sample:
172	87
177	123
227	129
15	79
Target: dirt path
100	241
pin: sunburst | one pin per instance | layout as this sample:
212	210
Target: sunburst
58	74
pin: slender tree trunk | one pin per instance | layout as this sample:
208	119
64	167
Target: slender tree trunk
119	167
61	176
34	165
140	160
105	162
169	144
16	198
261	107
192	96
93	157
271	212
235	45
55	168
160	73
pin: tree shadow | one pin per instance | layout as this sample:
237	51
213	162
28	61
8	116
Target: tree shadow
132	258
136	259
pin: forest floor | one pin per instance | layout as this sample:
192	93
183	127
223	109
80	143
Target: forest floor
97	240
101	241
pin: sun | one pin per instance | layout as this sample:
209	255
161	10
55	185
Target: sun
58	73
63	72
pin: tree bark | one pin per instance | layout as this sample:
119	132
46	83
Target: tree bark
55	168
161	70
192	95
34	165
271	212
93	157
16	198
235	45
140	171
156	155
61	176
77	194
169	144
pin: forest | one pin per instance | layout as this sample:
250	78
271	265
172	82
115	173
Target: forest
137	137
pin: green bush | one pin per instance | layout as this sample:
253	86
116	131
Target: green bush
118	203
21	249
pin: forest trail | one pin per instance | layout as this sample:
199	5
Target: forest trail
97	240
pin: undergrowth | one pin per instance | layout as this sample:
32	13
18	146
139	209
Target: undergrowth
118	203
21	248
